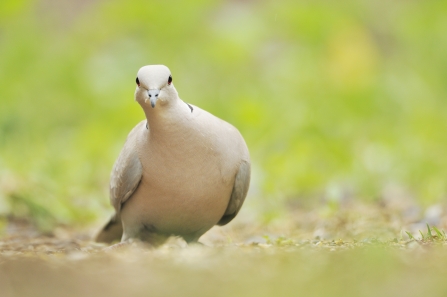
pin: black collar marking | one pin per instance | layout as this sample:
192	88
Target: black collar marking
190	107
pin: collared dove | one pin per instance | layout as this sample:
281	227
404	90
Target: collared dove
181	171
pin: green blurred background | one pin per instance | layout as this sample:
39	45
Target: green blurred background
335	99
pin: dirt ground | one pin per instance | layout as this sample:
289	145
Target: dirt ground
352	250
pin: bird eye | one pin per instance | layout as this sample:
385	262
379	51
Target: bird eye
169	80
138	81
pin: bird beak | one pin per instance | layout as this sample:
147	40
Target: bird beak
153	96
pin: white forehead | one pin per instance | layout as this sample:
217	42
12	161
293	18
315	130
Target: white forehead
153	75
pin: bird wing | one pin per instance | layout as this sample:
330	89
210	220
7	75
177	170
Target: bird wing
240	189
127	171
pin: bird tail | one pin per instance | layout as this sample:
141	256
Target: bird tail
112	231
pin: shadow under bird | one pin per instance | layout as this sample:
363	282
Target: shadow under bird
181	171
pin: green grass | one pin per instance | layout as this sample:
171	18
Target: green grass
342	106
334	101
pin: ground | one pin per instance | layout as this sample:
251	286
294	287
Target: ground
356	249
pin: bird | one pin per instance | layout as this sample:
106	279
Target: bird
181	171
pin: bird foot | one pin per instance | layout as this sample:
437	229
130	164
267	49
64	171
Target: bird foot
117	247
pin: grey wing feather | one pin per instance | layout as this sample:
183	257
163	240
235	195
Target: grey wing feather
240	189
127	172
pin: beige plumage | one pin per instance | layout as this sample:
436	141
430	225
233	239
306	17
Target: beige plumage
180	172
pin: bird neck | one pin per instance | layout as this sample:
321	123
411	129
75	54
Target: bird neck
167	118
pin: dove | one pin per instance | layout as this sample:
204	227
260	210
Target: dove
181	171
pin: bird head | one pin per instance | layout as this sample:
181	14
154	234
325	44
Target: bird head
154	84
